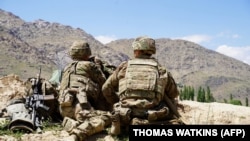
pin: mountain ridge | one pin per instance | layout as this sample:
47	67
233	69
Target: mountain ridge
28	45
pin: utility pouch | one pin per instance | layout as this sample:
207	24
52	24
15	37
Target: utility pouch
68	98
125	114
82	97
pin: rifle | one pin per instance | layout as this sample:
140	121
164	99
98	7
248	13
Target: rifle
174	109
35	103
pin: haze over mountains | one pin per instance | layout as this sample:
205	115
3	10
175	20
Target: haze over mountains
25	46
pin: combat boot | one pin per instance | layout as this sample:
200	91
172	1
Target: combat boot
116	125
69	124
79	135
138	121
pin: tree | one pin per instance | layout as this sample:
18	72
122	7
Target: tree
231	97
187	93
235	102
225	100
246	101
208	95
201	95
192	93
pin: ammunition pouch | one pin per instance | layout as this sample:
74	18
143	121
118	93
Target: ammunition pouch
82	97
160	112
80	88
67	98
124	113
86	85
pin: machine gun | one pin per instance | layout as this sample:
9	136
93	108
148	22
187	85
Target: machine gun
35	103
28	115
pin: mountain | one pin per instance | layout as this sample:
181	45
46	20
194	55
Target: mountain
26	46
194	65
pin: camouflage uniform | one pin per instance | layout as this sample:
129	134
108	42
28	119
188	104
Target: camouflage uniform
82	105
138	88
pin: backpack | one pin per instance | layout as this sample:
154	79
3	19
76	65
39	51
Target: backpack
142	80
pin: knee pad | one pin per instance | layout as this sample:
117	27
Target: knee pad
67	111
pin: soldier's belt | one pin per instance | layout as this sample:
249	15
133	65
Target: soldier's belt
138	94
140	113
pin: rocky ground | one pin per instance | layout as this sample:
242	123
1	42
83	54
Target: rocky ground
214	113
192	113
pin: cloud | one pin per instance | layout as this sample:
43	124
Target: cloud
197	38
235	36
228	35
240	53
105	39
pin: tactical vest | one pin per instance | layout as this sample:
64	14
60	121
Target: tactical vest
142	81
75	77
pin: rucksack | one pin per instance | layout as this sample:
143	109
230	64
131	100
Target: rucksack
142	80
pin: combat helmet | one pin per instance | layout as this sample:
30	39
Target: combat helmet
144	43
79	49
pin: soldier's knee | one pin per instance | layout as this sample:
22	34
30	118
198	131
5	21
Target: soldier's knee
67	111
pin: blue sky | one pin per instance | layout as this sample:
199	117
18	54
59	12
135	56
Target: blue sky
220	25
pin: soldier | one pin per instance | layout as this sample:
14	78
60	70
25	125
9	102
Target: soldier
141	90
82	105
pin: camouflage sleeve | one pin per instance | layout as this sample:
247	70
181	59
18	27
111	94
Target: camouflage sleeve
171	88
162	70
106	68
97	75
110	87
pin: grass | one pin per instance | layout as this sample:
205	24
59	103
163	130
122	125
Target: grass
48	126
5	131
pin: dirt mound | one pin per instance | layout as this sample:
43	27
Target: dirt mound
214	113
11	87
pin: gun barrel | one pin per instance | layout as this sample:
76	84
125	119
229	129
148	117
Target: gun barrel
48	97
43	107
